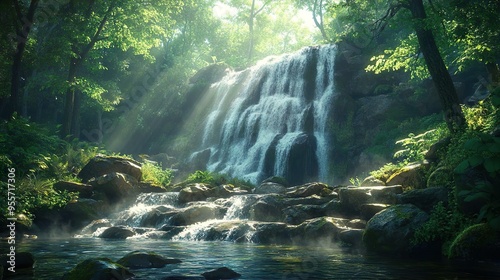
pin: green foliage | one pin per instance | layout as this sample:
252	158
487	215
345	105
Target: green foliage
155	174
416	146
355	181
443	225
386	171
200	177
216	179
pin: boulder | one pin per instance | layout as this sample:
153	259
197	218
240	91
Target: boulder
272	233
425	199
266	210
352	237
357	224
410	176
302	164
83	190
138	259
278	180
116	187
24	260
269	188
309	189
323	230
371	181
225	191
79	213
197	213
221	273
477	241
194	192
101	165
391	230
98	269
94	225
367	211
117	232
353	197
297	214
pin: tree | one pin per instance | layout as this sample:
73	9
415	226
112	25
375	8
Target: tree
413	12
96	25
24	19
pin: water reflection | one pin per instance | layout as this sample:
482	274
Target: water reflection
54	257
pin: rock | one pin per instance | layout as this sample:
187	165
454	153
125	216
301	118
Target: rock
352	236
391	230
409	176
278	180
98	269
199	160
210	74
79	213
297	214
269	188
196	213
84	190
116	187
272	233
353	197
323	230
194	192
367	211
221	273
371	181
101	165
94	225
117	232
23	260
477	241
225	191
266	210
425	199
357	224
138	259
309	189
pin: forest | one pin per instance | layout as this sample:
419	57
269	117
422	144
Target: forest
282	123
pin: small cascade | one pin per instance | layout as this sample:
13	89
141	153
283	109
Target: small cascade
271	119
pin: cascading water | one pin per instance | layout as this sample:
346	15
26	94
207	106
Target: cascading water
271	119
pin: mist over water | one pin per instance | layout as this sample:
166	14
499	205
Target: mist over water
272	105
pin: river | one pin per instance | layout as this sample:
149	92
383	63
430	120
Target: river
54	257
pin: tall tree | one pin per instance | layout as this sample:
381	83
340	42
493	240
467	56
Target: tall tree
24	19
95	25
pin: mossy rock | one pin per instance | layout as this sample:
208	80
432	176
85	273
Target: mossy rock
98	269
475	241
278	180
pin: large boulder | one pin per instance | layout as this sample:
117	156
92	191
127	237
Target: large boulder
116	187
272	233
269	188
391	230
194	192
267	209
309	189
425	199
101	165
117	232
197	213
323	230
302	165
98	269
353	197
409	176
296	214
477	241
138	259
80	213
83	190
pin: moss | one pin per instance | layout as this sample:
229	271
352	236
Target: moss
97	269
473	242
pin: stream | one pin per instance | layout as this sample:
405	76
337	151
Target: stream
253	261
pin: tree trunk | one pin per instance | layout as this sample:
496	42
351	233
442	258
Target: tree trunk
440	76
21	38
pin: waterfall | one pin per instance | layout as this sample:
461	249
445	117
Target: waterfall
271	119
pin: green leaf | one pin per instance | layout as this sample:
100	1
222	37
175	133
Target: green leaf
495	223
475	160
473	144
476	196
492	164
462	167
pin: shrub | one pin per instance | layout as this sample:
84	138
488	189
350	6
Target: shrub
155	174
